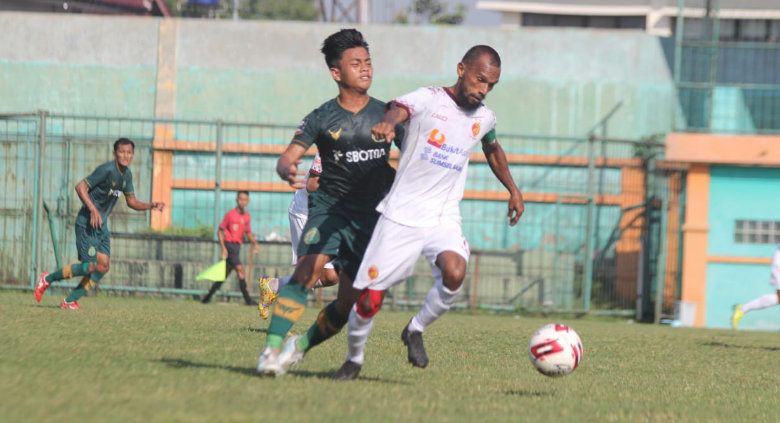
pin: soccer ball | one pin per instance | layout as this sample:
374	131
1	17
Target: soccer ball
555	350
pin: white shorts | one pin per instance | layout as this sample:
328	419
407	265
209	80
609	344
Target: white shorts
297	222
394	249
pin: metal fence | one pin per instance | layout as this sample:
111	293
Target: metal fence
600	231
727	71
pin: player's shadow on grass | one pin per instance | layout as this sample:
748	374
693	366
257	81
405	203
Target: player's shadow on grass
527	393
257	330
329	375
44	305
741	347
180	363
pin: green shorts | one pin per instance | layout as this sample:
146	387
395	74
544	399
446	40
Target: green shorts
340	232
90	241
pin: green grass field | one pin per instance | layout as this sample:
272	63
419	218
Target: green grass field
135	359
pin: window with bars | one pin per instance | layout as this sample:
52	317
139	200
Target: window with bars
757	232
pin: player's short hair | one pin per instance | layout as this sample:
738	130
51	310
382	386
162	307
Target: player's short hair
333	46
478	51
242	192
123	141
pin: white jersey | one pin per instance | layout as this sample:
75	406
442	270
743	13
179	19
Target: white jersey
300	202
431	175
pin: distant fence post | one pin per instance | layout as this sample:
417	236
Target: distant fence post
217	184
38	197
587	281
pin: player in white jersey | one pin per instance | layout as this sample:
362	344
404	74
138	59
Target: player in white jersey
421	214
763	301
298	212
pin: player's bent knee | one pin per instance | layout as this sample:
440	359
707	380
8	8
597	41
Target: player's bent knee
369	303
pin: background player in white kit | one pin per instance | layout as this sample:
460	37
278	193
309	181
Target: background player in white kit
298	212
763	301
421	214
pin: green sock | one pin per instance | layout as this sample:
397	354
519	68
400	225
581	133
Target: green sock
329	323
288	309
77	293
95	277
69	271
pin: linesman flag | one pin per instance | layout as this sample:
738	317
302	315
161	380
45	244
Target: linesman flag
215	273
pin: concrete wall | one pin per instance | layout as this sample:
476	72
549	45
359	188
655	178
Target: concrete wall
554	81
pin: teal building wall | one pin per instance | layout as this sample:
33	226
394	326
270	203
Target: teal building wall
740	193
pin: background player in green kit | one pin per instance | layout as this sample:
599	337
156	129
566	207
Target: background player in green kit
342	215
98	193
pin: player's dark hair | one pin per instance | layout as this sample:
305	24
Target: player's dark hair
242	192
476	52
333	46
123	141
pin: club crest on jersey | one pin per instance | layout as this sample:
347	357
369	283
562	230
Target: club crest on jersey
373	272
312	236
436	138
335	134
475	129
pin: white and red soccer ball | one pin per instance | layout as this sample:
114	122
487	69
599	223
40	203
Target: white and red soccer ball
555	350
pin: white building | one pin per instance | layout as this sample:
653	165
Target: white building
740	20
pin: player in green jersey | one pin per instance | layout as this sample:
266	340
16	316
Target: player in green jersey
355	176
98	193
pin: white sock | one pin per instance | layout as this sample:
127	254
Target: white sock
279	282
357	335
764	301
437	302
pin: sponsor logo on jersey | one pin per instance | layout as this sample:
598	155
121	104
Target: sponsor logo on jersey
373	272
436	138
475	129
438	116
335	134
312	236
365	155
114	193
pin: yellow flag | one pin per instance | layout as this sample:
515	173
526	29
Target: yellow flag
216	272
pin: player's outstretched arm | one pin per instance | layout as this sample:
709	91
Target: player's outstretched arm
385	130
287	165
139	205
498	164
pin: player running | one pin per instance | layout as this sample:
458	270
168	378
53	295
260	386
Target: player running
421	213
98	193
763	301
342	214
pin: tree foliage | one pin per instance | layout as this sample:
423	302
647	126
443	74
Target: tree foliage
432	11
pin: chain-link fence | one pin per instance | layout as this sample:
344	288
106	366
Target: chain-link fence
601	218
